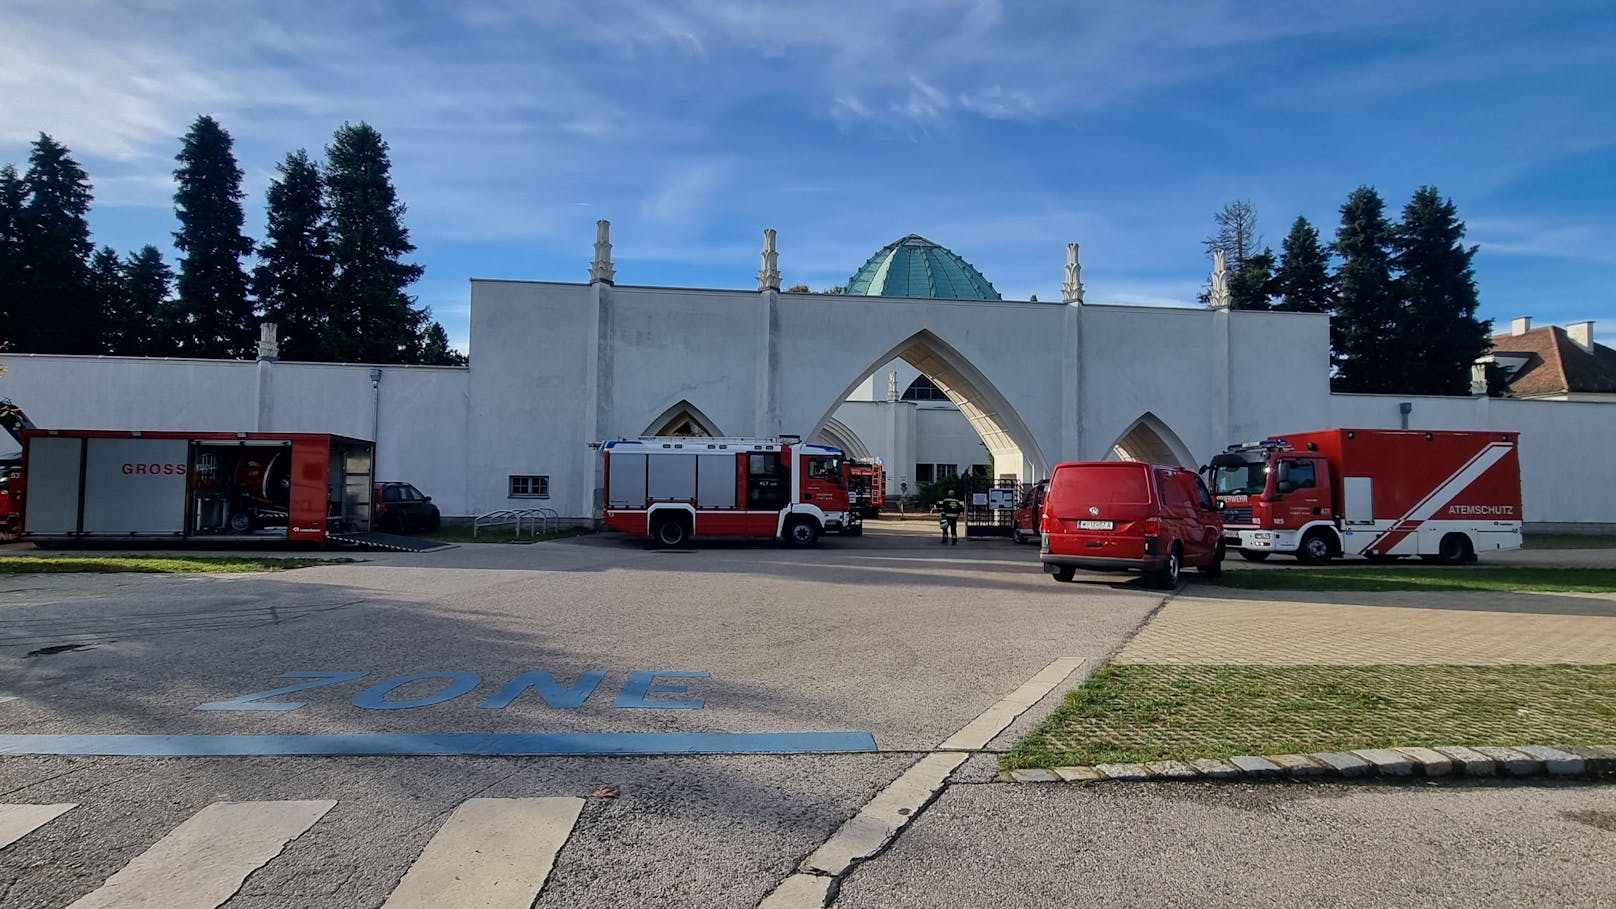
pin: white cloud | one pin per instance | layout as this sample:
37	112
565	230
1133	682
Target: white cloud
684	192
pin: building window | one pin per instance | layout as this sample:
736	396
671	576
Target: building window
923	473
923	389
527	487
947	471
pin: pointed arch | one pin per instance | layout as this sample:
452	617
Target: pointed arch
1150	439
682	419
1014	448
835	432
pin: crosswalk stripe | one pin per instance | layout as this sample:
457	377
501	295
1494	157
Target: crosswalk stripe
490	854
17	821
203	861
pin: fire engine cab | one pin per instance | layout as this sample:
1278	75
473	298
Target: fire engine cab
673	489
1444	496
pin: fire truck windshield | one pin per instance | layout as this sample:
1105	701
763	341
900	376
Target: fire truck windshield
827	469
1237	476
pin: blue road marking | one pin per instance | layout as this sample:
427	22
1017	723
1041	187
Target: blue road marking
643	683
507	743
375	697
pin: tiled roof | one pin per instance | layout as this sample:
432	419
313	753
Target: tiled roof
914	266
1558	364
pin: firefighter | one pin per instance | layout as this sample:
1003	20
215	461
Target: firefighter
950	508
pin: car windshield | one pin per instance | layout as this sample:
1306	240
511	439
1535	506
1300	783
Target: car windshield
1245	478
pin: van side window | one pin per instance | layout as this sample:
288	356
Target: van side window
1175	496
1203	496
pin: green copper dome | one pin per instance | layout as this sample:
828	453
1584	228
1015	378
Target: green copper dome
916	267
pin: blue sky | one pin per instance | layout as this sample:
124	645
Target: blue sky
1002	130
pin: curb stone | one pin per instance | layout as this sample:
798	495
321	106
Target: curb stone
1568	761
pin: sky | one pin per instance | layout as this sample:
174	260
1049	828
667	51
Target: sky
1002	130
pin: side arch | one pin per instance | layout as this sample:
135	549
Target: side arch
835	432
1150	439
682	419
1013	446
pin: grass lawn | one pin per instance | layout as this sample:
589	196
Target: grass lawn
65	564
1144	713
1411	577
1567	541
460	534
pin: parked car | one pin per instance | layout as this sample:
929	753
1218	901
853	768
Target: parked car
1128	515
401	508
1024	520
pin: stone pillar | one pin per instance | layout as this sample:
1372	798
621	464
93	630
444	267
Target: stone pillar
769	274
601	270
1072	290
1220	281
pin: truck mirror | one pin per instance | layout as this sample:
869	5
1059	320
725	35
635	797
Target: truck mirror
1219	504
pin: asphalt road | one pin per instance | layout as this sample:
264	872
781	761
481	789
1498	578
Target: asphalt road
887	635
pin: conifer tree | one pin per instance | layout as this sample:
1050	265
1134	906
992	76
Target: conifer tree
1368	349
1438	289
378	321
107	289
295	276
1303	282
1252	286
1236	234
216	314
13	196
53	310
148	308
435	349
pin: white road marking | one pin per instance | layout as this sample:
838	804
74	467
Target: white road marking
873	827
490	854
17	821
203	861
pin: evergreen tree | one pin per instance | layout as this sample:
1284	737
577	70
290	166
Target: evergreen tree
378	322
148	308
107	289
1365	338
1236	234
13	197
295	276
53	310
1438	289
216	315
435	349
1252	287
1303	281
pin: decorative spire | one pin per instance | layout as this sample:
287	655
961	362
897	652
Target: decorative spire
769	274
1220	281
1072	290
601	270
268	349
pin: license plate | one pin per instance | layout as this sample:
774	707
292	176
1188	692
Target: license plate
1093	525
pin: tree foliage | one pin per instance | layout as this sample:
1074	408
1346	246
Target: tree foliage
1437	287
1236	234
1303	282
142	332
295	276
107	290
1369	351
216	314
51	308
1252	286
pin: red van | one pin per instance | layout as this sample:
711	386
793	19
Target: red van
1128	515
1024	522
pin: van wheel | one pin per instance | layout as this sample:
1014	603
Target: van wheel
1167	578
1254	555
671	532
1215	569
802	532
1454	548
1064	573
1316	548
1016	536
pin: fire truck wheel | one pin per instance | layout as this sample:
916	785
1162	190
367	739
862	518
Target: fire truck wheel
1316	548
671	532
1454	549
240	522
802	532
1254	555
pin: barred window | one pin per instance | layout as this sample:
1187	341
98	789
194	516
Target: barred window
530	487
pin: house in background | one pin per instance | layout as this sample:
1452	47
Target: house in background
1555	364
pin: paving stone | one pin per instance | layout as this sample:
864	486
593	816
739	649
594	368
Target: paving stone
1079	774
1558	762
1034	775
1600	759
1386	761
1429	761
1471	761
1171	770
1212	768
1256	767
1515	763
1299	765
1128	773
1347	765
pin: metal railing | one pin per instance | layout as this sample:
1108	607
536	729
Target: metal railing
536	520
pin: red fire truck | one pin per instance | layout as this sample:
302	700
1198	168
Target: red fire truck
675	489
1444	496
99	484
867	486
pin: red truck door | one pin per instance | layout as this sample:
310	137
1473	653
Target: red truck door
1303	487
